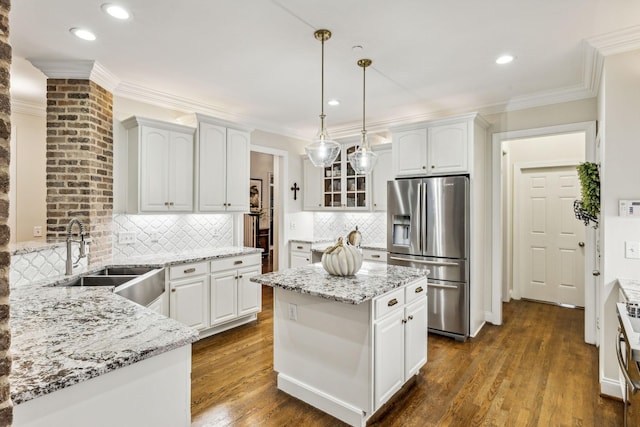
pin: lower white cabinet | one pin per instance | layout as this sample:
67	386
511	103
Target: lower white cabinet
299	254
400	340
374	255
215	296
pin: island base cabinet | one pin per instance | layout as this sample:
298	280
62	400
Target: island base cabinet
153	392
340	357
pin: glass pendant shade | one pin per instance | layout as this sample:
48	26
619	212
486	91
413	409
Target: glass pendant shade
363	159
322	151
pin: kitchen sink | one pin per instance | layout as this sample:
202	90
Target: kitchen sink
142	285
98	281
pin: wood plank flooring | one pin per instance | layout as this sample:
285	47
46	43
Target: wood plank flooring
535	370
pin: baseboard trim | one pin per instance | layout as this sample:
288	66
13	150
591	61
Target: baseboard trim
610	388
229	325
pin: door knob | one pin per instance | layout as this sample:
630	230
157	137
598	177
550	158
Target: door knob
596	273
581	244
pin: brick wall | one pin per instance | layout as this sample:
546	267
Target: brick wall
80	161
6	409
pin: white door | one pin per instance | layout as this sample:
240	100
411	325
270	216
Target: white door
181	172
249	293
549	240
415	337
224	297
154	174
388	356
448	148
381	173
312	184
188	302
410	152
212	154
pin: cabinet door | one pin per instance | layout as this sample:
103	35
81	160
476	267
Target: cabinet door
249	293
181	172
389	357
448	149
224	297
355	191
311	185
410	152
188	302
212	175
154	174
415	337
382	172
299	259
238	170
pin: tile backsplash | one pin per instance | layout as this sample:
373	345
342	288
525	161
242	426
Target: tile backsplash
372	225
170	233
41	263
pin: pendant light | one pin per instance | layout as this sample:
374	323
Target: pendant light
322	151
363	159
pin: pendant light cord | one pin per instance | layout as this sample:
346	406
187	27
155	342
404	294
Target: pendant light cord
364	92
322	116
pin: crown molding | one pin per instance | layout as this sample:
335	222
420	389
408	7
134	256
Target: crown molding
28	107
618	41
77	69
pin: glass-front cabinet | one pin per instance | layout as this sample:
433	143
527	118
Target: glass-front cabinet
342	187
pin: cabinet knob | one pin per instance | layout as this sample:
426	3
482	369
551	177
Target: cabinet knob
173	290
424	167
240	276
404	321
410	317
166	203
170	203
433	166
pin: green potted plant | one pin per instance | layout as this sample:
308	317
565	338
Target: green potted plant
588	208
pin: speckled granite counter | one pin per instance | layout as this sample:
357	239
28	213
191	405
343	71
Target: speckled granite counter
65	335
372	280
631	289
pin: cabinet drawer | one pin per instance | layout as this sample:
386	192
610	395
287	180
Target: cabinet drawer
374	255
415	290
300	247
235	262
389	302
187	270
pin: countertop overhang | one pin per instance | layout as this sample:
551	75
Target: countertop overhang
372	280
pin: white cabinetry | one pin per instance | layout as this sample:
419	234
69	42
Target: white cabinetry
217	295
160	166
382	172
400	339
311	185
437	147
189	289
299	254
374	255
223	166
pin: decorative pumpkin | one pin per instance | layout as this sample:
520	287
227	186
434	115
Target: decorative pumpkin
342	259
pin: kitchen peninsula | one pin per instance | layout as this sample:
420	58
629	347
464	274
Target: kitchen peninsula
346	345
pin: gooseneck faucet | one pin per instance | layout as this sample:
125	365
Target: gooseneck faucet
82	241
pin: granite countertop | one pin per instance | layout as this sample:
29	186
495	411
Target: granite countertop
631	289
372	280
65	335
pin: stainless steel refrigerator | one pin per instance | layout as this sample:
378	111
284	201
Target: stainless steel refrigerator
428	227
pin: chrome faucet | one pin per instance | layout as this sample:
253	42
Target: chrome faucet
82	241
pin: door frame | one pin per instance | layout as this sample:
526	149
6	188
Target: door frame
497	250
518	169
280	201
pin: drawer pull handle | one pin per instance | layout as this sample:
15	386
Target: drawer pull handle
190	270
299	247
419	289
237	262
375	256
392	302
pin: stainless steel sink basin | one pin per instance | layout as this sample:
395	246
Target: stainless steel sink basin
142	285
98	281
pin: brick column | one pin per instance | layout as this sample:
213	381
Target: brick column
80	161
6	409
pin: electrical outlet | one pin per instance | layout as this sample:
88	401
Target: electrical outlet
292	225
632	250
126	237
293	312
215	232
37	231
154	237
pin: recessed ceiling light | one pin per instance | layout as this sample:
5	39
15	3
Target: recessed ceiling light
83	34
504	59
333	102
116	11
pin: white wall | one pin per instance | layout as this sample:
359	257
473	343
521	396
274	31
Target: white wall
620	179
30	179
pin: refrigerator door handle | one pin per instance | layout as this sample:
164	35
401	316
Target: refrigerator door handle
433	285
420	212
419	261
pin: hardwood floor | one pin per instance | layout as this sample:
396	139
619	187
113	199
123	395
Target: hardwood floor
535	370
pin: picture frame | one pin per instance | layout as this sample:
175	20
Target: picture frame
255	195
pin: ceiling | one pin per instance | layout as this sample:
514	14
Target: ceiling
257	62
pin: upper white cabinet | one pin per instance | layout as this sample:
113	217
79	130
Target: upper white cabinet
160	166
223	166
439	147
382	172
311	185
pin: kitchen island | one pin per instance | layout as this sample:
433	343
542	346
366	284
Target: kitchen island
346	345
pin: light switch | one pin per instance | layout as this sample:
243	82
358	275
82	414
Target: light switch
293	312
632	250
